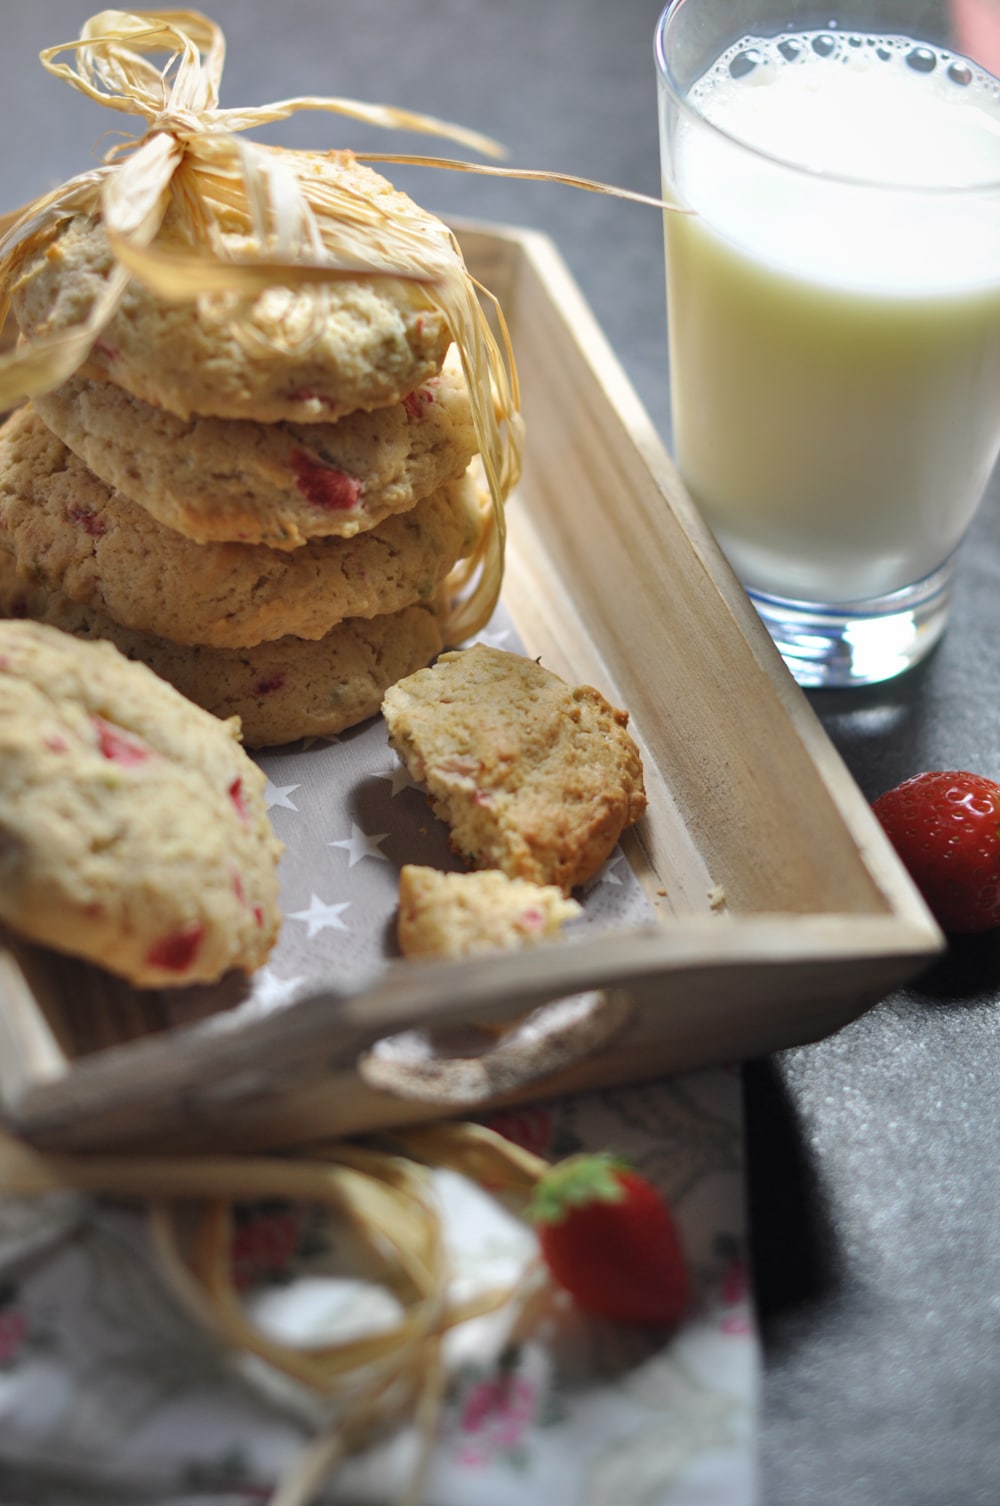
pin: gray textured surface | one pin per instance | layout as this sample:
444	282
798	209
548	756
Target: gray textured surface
875	1188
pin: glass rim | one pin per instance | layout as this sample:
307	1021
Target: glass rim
691	111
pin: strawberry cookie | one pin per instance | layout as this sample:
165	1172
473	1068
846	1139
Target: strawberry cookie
133	830
533	776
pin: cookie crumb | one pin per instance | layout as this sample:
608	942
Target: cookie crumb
465	914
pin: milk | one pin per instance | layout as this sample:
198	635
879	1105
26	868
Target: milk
835	341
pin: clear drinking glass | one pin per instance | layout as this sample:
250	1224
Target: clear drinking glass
833	290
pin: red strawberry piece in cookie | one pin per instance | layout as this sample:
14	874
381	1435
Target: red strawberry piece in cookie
120	746
176	953
324	485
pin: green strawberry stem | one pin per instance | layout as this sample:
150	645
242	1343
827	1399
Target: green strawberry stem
575	1183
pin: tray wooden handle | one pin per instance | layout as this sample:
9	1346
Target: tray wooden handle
466	1067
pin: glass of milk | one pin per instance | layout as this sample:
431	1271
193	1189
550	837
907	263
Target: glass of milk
833	292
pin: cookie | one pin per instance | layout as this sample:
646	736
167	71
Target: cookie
278	484
463	914
532	776
345	344
281	690
76	535
133	830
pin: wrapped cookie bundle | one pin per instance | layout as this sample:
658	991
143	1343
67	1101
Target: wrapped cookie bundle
269	430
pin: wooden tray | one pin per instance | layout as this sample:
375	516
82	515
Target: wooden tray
779	911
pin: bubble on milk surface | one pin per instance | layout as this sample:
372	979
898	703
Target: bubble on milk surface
922	59
745	62
748	59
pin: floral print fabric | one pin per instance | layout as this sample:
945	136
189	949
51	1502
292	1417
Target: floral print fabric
111	1392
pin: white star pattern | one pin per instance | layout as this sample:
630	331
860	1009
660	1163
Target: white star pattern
278	794
360	845
320	916
400	778
270	992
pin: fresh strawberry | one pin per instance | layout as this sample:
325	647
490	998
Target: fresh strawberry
946	828
608	1237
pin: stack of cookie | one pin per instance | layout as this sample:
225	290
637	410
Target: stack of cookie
264	510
